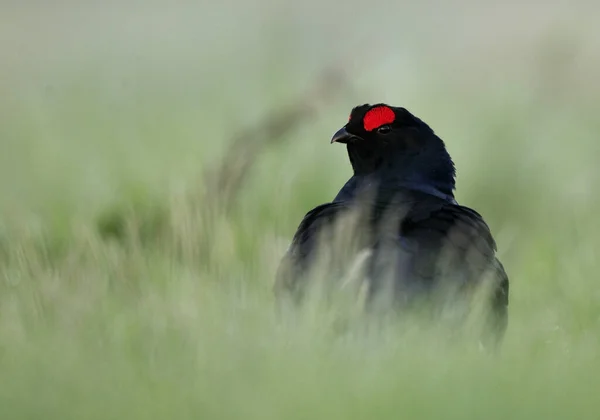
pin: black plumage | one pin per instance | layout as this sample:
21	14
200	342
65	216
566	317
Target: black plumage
399	206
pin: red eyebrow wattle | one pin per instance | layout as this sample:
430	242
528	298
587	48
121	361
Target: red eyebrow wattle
378	116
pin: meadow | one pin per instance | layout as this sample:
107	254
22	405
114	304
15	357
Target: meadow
156	159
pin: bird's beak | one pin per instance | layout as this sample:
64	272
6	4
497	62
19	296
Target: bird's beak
342	136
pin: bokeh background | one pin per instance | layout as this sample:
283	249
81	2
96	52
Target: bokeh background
156	157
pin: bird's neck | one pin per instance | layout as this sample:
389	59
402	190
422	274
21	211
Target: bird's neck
383	188
391	171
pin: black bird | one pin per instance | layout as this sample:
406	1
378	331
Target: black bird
420	242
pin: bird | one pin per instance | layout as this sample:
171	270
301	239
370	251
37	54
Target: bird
398	216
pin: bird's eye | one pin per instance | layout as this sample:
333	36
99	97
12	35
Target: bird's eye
384	129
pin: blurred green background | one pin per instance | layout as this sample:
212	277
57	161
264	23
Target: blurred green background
128	289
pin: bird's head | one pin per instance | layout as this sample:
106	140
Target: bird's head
392	144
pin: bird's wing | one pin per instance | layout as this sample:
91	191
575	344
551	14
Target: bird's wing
304	244
452	243
443	230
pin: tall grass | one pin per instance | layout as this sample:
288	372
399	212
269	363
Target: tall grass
129	289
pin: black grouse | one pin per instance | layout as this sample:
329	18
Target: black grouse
419	242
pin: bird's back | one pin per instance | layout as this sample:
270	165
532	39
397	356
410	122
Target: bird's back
419	245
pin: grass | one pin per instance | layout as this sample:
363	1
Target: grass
126	291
